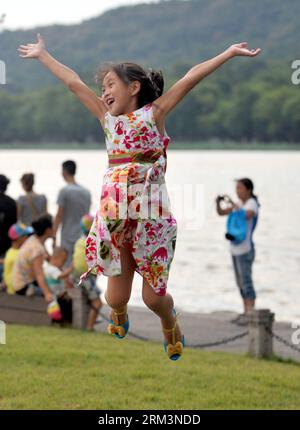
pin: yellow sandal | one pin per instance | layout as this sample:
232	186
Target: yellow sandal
118	330
174	349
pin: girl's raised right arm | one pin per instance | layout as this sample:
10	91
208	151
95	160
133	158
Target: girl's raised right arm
70	78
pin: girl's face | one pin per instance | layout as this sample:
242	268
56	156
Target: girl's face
242	192
117	96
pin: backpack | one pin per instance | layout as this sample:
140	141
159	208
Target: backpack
236	226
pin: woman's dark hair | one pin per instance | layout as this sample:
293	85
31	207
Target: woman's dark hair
27	181
250	186
41	224
152	81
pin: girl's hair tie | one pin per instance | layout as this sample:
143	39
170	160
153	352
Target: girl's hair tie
152	82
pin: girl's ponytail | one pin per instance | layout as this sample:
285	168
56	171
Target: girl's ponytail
256	198
157	82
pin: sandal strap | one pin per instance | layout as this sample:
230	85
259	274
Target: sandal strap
172	330
117	314
169	330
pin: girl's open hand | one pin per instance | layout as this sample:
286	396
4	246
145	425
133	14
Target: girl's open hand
241	49
32	50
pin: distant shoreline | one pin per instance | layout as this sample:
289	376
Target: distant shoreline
179	145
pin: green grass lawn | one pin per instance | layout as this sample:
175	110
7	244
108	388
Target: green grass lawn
53	368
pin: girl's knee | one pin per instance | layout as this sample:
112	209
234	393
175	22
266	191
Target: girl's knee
116	301
154	301
149	297
151	300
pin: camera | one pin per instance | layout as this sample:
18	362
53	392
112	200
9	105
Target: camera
223	198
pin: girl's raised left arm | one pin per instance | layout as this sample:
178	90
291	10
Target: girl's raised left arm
68	76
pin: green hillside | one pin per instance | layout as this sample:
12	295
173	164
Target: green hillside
158	35
246	100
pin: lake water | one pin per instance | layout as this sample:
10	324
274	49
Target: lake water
201	277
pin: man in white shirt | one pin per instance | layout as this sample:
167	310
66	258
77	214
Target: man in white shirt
243	253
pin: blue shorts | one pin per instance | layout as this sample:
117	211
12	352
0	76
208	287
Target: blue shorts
242	265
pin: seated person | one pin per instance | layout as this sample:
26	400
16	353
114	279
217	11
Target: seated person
90	289
18	233
56	276
28	274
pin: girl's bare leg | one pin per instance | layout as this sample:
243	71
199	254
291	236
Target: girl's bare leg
119	287
162	306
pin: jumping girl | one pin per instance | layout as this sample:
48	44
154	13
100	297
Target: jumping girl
132	111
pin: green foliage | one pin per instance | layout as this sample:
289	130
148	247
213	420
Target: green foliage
158	35
246	100
234	104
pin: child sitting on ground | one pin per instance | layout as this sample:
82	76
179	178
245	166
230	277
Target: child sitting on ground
17	233
56	276
58	282
90	289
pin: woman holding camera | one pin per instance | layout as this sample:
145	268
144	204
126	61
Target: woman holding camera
243	253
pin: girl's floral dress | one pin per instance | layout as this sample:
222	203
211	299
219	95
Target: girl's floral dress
134	207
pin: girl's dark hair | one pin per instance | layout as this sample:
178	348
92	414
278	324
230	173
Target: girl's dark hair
28	181
152	81
41	224
250	186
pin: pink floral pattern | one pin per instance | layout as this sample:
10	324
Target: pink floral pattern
151	239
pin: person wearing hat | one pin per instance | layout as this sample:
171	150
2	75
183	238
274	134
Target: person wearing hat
243	253
90	289
8	216
17	233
